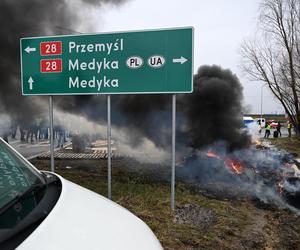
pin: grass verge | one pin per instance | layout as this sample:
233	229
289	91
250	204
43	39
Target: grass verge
290	144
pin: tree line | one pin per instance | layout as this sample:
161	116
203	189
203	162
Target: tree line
273	55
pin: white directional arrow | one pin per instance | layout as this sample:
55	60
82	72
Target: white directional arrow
29	49
181	60
30	81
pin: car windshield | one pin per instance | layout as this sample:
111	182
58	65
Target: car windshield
16	175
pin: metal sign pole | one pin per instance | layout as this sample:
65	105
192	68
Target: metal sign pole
51	132
173	151
108	147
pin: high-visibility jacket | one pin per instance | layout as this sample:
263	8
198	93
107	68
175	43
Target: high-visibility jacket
268	127
289	125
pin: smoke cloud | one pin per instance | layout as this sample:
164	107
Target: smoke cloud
214	110
211	113
32	18
125	147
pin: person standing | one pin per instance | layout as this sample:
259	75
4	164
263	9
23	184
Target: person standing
14	126
267	130
278	128
289	127
60	134
260	126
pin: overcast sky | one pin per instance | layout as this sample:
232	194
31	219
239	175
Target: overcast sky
220	27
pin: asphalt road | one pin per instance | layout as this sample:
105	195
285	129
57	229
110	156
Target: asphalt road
30	150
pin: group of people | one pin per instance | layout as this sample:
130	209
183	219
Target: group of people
36	131
28	131
277	132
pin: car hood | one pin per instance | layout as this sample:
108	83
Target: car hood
82	219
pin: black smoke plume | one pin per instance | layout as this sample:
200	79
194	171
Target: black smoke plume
211	113
31	18
214	110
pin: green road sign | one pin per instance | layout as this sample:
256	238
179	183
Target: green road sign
158	61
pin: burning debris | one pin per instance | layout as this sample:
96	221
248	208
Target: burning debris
270	175
232	164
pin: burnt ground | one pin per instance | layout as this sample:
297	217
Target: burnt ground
200	221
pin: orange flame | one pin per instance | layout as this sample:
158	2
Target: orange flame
213	155
234	165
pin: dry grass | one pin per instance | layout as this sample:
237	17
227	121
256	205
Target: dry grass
291	144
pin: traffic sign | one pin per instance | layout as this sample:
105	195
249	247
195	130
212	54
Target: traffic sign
155	61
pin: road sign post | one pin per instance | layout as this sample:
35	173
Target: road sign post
173	151
108	148
136	62
51	133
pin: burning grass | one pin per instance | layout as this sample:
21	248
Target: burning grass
235	166
223	224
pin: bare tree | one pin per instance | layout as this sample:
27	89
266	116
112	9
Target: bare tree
273	57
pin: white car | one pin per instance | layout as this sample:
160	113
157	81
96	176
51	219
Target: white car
42	210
